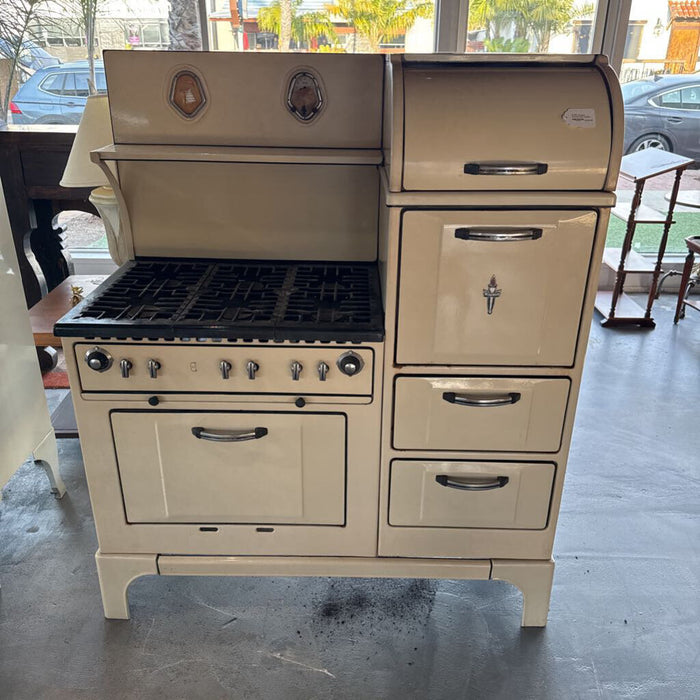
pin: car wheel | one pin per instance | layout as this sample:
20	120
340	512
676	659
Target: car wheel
650	141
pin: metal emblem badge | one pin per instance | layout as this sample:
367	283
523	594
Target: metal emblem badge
492	292
187	94
304	96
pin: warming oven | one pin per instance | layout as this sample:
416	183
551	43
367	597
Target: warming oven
350	335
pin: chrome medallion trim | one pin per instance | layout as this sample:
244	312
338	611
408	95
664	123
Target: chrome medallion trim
304	96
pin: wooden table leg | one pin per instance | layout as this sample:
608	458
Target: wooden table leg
683	290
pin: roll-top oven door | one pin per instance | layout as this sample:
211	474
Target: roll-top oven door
492	287
231	467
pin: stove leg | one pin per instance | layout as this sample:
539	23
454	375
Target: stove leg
45	456
116	572
534	579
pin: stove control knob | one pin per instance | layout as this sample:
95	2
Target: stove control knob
252	368
98	359
296	368
322	371
350	363
225	368
125	367
153	367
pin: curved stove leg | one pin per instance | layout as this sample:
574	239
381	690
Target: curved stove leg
534	579
45	455
116	572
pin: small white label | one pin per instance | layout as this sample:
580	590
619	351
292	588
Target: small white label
583	118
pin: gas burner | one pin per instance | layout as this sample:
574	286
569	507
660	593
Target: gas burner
275	300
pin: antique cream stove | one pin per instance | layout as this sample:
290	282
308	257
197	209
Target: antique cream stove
350	336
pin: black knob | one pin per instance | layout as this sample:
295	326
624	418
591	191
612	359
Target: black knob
350	363
98	359
153	400
300	403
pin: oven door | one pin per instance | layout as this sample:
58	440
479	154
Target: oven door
492	287
231	467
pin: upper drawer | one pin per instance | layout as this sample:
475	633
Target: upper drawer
479	413
492	287
552	122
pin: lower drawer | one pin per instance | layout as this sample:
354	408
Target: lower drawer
231	467
426	493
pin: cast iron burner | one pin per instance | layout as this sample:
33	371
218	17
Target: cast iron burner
241	300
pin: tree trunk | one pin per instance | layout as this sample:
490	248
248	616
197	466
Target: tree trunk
285	37
183	26
90	44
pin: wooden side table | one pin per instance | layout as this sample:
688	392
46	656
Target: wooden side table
688	281
616	307
43	315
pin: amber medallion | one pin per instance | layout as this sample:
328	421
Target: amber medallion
187	94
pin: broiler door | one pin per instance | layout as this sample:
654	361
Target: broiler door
231	467
492	287
506	128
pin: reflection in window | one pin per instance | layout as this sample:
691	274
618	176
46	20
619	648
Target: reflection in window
633	40
342	26
530	26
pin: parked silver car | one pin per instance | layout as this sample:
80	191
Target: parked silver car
663	112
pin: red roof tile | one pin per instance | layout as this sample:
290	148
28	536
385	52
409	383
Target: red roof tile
684	9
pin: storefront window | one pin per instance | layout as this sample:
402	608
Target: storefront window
530	26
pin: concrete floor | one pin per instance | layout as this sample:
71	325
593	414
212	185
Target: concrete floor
624	621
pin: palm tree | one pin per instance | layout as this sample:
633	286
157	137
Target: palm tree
183	26
379	21
303	28
541	18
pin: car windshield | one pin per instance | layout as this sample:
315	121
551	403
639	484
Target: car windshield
637	88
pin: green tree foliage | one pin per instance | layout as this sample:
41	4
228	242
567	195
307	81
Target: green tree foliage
380	21
539	19
304	27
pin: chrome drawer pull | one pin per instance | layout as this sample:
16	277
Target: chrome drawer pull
498	483
466	400
229	435
498	235
504	168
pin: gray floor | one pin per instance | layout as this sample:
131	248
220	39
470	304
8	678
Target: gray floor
625	606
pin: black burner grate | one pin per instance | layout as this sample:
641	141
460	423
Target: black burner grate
233	299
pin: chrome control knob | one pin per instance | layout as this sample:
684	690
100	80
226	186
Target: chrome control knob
125	367
98	359
251	368
322	371
350	363
296	368
225	368
153	367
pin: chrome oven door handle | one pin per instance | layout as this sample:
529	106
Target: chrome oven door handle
498	483
498	167
229	435
497	235
481	401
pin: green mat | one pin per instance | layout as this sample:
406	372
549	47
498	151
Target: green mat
647	236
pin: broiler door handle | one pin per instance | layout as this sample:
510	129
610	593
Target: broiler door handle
485	402
498	234
229	435
498	483
498	167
